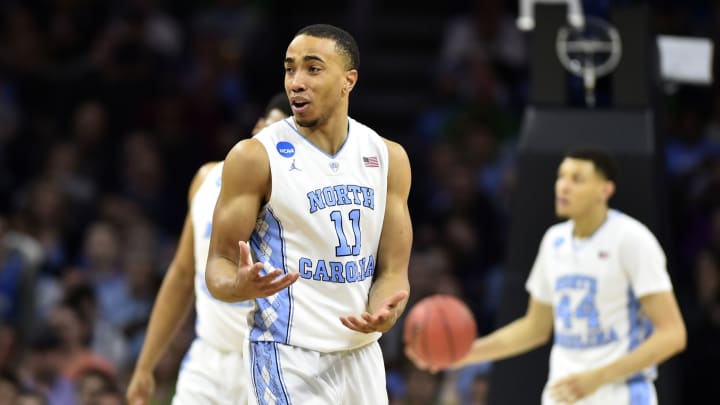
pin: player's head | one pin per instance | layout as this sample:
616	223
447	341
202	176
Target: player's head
321	69
277	109
585	182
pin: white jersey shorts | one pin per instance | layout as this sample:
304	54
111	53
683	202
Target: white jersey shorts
283	375
210	376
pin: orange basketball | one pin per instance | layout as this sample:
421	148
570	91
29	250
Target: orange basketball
440	329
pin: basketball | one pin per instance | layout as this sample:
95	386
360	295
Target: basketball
440	329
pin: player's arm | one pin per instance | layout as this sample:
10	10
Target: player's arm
171	305
391	288
522	335
231	275
668	338
648	274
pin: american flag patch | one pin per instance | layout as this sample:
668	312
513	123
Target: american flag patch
371	161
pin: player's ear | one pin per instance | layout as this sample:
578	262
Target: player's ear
608	189
351	77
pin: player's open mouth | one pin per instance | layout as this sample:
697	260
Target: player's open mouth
299	106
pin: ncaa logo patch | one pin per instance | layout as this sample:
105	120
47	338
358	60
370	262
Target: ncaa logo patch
285	149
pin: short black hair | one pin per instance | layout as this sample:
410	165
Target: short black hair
280	102
601	158
343	41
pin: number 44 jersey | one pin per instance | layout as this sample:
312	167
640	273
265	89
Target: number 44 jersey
594	286
324	220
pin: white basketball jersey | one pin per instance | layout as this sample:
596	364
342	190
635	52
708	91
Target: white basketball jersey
593	285
323	220
222	324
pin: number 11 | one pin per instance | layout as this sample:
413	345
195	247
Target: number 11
343	249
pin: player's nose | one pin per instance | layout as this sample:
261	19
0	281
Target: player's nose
297	83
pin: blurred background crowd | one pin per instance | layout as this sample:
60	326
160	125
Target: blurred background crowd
107	108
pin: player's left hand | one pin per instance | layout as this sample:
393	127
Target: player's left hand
381	320
141	387
575	387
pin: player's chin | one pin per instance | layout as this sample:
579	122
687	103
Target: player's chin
562	212
305	122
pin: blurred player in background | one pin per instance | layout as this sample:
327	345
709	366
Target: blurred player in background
600	282
213	370
322	199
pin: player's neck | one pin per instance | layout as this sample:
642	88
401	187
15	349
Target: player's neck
585	226
329	136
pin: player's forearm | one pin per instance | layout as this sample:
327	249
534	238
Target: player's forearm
169	311
515	338
660	346
383	288
221	279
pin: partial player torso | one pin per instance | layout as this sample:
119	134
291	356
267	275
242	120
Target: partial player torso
598	317
224	325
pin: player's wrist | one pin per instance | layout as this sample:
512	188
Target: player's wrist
602	375
393	317
144	366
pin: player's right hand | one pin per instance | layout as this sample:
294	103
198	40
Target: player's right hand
251	284
418	361
141	388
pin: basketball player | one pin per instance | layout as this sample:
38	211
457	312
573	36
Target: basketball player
322	200
209	374
600	282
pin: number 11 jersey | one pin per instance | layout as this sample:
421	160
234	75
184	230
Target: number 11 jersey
324	220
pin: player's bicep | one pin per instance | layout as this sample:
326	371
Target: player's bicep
644	261
245	182
664	313
537	284
396	239
541	317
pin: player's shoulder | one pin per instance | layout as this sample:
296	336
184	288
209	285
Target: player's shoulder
276	129
205	170
357	128
396	152
200	175
628	226
246	152
560	228
557	234
394	149
246	167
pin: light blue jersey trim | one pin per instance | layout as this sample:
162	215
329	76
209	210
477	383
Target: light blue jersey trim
640	390
289	121
634	319
640	327
274	313
267	377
